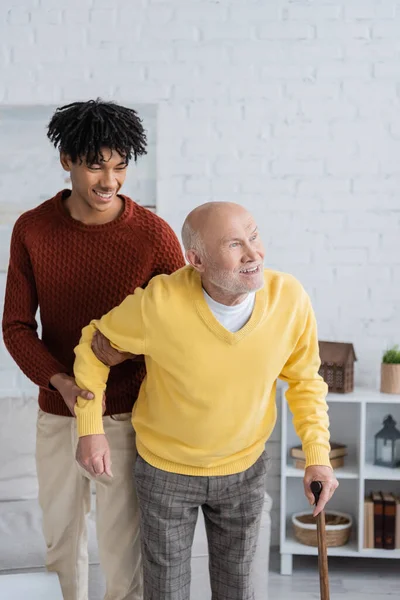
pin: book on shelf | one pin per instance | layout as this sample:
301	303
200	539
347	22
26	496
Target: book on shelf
368	523
337	450
336	463
382	521
378	519
389	521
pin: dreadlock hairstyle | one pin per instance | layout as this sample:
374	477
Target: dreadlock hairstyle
82	129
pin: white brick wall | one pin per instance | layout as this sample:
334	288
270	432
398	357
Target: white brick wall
289	107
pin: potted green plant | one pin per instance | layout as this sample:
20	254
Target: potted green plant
390	371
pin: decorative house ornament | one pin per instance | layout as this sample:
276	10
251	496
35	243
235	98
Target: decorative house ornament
387	444
337	366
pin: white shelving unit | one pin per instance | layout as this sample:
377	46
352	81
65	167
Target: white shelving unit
354	420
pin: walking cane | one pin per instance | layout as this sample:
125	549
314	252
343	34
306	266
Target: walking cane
316	488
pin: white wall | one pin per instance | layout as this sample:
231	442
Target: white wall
290	108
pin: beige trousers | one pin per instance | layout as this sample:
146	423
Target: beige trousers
64	496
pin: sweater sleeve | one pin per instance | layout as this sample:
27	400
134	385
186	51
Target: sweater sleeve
124	328
19	322
168	256
306	394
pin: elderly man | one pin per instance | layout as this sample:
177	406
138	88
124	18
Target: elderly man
216	335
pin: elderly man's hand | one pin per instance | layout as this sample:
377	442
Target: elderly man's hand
93	455
108	355
329	484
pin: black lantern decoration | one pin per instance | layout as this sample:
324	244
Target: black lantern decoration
387	444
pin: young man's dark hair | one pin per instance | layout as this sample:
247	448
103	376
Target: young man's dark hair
82	129
75	257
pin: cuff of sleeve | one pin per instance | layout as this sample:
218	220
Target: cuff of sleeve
317	455
89	422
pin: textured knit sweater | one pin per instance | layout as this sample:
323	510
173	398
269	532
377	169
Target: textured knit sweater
207	404
74	273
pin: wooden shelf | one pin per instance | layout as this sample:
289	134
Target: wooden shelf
349	471
366	395
354	418
292	546
381	473
380	553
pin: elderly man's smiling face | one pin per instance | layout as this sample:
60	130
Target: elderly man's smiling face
231	256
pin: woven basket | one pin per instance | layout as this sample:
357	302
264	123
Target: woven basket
338	528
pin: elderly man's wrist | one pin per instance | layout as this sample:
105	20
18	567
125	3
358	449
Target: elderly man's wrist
317	455
89	421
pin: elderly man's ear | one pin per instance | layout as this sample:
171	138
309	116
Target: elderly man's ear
195	260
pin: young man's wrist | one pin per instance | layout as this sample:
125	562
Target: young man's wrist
56	380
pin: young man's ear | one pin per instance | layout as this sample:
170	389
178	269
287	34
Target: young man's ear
65	161
195	260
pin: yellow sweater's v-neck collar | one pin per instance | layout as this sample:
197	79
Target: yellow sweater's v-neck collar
212	322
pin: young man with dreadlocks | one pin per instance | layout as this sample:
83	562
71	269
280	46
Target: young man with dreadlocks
75	257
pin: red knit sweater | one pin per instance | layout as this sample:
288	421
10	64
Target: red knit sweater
74	273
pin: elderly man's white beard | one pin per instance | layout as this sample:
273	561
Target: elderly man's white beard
227	281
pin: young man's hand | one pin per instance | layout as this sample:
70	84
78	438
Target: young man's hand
108	355
329	484
93	455
68	389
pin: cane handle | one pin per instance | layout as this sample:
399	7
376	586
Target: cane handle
316	488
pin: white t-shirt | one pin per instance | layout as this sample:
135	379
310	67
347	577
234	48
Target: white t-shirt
234	317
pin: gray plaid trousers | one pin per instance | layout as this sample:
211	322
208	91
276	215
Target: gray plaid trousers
232	507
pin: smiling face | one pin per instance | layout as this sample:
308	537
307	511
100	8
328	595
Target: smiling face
95	185
232	255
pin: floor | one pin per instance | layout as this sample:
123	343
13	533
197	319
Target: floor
350	579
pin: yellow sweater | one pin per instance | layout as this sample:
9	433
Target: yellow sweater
207	405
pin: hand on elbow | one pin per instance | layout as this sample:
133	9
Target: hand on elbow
105	353
68	389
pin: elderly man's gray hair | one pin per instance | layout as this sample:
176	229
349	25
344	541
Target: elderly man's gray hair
191	238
